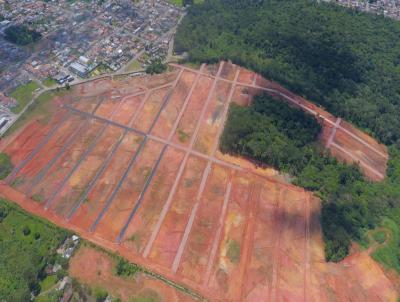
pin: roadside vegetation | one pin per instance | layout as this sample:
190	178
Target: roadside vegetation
329	55
49	82
155	67
6	165
27	245
40	108
23	94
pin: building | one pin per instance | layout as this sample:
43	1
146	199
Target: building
79	69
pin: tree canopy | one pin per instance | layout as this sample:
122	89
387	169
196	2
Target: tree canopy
21	35
344	60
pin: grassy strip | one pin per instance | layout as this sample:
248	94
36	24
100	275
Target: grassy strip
6	165
49	82
23	94
38	108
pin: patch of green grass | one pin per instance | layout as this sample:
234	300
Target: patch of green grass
134	66
49	82
48	282
39	108
233	252
23	94
147	296
176	2
389	254
6	165
182	136
379	236
37	197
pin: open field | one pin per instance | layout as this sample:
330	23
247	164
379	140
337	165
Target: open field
23	94
97	269
132	164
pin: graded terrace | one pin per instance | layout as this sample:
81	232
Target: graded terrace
132	164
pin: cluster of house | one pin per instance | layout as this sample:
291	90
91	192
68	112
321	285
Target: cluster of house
6	116
80	35
388	8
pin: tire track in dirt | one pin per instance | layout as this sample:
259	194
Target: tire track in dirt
83	157
107	160
168	202
276	258
189	225
136	155
36	150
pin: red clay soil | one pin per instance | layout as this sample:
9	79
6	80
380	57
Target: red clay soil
47	152
218	225
171	111
139	230
96	269
212	119
103	188
150	109
126	198
56	174
189	119
79	180
170	234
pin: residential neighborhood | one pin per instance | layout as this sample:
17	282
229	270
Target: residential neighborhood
388	8
81	39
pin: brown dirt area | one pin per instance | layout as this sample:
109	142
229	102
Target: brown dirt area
217	224
96	269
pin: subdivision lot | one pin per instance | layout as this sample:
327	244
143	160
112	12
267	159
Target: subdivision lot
102	190
54	176
169	115
133	167
53	145
78	182
169	236
127	196
187	124
212	119
150	109
140	229
27	140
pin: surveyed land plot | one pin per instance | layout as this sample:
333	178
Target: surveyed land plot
64	162
47	153
127	196
130	163
102	190
212	120
187	124
171	112
79	181
140	229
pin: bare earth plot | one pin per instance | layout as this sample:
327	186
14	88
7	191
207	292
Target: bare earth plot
132	164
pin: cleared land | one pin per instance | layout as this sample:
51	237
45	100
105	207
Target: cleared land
97	269
131	163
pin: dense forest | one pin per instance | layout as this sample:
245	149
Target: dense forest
344	60
21	35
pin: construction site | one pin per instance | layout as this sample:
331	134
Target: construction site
132	164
